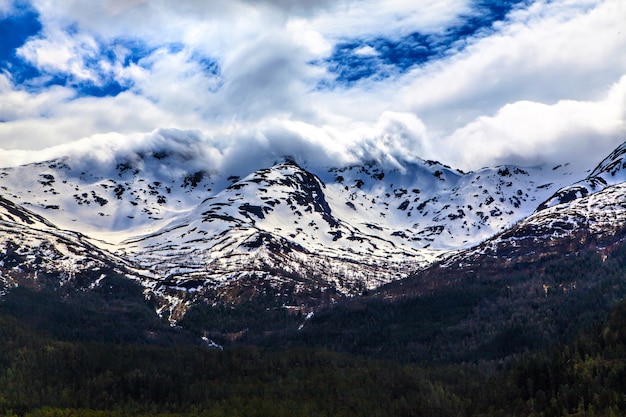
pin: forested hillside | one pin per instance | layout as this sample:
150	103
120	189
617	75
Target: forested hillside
566	358
474	317
44	377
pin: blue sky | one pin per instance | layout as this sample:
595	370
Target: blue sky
377	57
468	82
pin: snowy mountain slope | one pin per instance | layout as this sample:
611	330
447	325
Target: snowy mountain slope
423	202
202	234
595	221
277	223
609	172
361	228
32	248
108	200
429	205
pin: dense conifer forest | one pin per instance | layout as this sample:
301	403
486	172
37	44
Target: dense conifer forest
470	351
45	377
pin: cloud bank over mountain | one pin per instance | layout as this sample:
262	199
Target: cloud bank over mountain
467	82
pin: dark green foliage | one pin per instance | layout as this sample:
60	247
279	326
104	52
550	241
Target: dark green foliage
37	372
583	378
477	317
115	311
541	340
409	329
43	377
247	322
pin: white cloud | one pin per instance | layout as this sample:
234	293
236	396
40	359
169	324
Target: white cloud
528	132
389	18
552	52
116	7
391	140
5	7
365	50
519	92
61	53
175	82
37	121
267	77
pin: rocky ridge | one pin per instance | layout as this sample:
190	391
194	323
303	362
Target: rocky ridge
35	252
310	234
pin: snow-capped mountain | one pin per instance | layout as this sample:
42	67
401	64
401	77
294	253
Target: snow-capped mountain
433	206
279	224
424	202
589	214
108	200
199	233
32	249
597	220
611	171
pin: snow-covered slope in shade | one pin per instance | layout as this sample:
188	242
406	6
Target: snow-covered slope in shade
611	171
30	246
109	201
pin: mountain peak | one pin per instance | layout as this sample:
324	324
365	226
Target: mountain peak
197	230
611	171
613	165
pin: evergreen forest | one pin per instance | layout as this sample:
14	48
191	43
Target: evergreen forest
483	349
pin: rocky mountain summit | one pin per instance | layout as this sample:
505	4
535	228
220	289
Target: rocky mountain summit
310	235
611	171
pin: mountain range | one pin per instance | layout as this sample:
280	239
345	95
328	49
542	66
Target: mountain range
310	236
